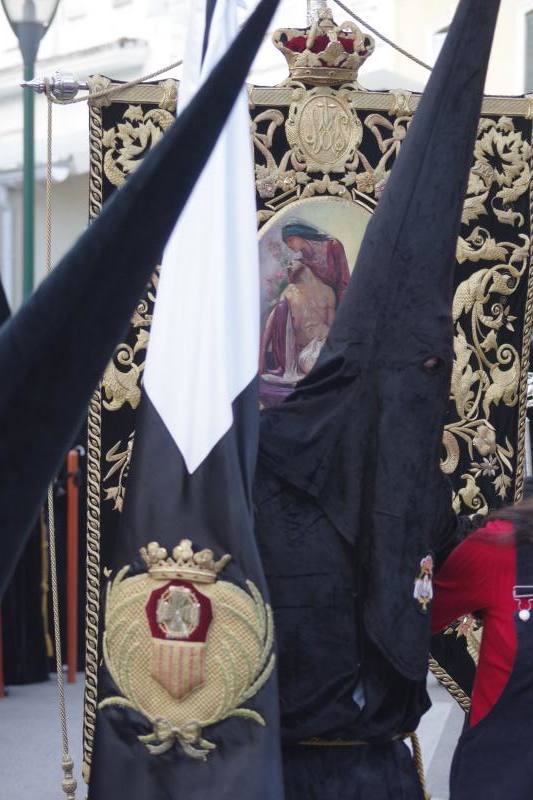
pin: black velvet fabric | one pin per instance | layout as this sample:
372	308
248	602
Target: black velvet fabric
56	347
23	633
23	636
316	587
362	433
381	772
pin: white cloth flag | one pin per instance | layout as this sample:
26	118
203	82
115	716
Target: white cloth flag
204	340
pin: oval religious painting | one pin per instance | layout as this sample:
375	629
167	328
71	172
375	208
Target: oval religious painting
307	252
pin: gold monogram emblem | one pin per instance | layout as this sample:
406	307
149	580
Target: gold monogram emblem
185	649
323	129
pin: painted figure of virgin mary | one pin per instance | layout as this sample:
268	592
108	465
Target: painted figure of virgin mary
299	322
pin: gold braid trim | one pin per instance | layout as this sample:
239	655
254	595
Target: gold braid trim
528	324
94	440
449	684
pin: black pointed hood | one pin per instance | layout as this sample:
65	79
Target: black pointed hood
5	311
54	350
362	433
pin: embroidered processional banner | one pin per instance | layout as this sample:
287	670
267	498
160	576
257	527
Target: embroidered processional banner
324	148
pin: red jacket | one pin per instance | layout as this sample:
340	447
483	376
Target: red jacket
478	576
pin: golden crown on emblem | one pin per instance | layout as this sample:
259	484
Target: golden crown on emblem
184	563
324	53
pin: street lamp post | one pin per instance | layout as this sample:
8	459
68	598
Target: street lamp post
29	19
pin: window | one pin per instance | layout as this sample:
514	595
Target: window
528	78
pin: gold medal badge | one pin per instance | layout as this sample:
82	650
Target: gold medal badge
423	591
185	649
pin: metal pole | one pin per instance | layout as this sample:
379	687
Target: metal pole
28	184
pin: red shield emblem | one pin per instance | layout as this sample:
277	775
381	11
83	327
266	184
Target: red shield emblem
179	617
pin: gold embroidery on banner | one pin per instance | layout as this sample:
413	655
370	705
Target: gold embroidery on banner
126	143
120	461
97	83
526	338
121	382
94	448
402	103
295	169
237	652
323	128
170	95
487	367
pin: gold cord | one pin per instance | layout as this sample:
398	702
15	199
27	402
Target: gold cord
67	764
449	684
45	586
419	764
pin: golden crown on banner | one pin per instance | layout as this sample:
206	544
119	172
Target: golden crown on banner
324	52
184	563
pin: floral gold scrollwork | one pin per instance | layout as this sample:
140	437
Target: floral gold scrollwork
122	385
120	461
502	160
270	176
487	365
121	382
127	142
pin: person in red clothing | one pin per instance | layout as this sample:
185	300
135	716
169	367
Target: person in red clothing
478	577
490	574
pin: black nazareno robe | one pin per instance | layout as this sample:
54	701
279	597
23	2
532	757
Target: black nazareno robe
350	502
335	685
